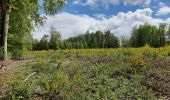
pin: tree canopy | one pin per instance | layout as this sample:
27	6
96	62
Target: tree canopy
21	16
148	34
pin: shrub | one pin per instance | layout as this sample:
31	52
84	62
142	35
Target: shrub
20	90
17	54
139	64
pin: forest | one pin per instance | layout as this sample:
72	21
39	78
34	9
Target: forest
92	65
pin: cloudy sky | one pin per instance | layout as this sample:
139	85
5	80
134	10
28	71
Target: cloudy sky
118	16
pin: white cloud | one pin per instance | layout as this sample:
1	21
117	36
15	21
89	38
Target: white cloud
120	24
163	11
96	3
137	2
106	3
76	2
100	16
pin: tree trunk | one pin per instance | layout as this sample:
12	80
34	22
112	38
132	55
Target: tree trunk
4	30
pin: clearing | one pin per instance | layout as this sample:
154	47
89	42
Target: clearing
123	73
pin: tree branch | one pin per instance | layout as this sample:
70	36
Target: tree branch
29	76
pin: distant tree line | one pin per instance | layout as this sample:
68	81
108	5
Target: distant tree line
89	40
155	36
96	39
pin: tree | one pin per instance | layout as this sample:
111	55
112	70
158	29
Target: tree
30	8
148	34
93	40
99	38
168	32
162	31
114	42
5	11
35	44
44	43
111	41
19	34
125	42
168	36
55	38
87	39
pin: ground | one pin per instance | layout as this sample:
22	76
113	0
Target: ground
123	73
4	71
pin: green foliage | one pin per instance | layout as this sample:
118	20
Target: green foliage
162	31
17	46
148	34
124	42
17	54
53	6
55	39
88	40
44	43
119	74
21	90
24	15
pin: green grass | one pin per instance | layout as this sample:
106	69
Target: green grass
114	74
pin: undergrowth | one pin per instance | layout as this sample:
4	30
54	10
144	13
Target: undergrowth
114	74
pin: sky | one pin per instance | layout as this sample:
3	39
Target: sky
118	16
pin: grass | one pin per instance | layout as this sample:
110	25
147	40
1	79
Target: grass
116	74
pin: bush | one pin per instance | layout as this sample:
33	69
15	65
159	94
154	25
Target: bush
17	54
139	64
20	91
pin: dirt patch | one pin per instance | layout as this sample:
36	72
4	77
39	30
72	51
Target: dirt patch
160	83
161	62
158	78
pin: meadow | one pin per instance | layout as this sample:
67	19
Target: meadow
92	74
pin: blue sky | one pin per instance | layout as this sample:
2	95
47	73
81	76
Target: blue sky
110	9
118	16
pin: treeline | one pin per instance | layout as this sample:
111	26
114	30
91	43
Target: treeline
155	36
94	40
89	40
